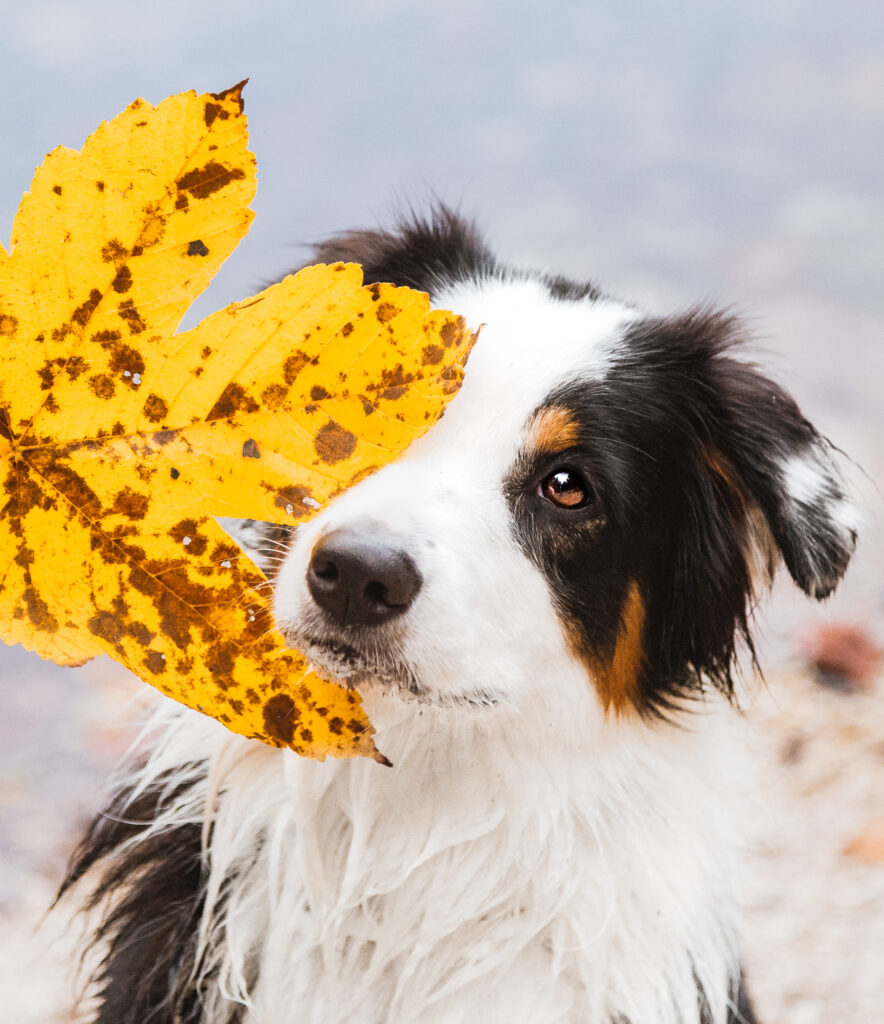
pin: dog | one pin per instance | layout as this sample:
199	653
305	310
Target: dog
541	603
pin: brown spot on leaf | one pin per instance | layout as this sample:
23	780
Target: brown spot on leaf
333	443
75	366
131	504
197	248
233	93
220	662
186	533
83	312
293	365
123	281
100	186
106	338
155	409
68	482
108	627
127	362
250	450
56	189
130	314
155	662
102	386
8	325
47	372
181	201
347	329
394	383
5	429
336	725
280	715
385	312
431	355
50	405
318	392
202	182
114	252
291	500
273	396
452	331
234	398
213	110
174	473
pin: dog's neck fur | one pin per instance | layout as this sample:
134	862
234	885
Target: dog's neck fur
517	863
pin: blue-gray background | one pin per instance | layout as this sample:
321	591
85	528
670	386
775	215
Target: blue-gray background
675	153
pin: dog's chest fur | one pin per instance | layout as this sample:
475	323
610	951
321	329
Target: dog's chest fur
524	870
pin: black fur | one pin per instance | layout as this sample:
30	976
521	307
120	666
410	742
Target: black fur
421	254
683	445
430	253
149	892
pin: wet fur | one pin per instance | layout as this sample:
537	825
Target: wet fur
587	862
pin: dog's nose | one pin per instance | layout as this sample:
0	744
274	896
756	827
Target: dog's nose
359	579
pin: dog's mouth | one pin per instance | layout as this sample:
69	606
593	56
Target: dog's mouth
359	667
378	667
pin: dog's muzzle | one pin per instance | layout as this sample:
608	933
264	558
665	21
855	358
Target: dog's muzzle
358	579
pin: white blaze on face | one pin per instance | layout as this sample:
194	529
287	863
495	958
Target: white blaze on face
483	622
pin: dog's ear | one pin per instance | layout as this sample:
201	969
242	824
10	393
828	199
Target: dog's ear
746	481
788	471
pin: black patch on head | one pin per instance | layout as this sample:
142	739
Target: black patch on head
425	253
571	291
684	446
151	893
432	252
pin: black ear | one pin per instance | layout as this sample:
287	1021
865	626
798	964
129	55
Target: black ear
742	480
788	470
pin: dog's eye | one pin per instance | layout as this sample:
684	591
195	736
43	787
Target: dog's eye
566	488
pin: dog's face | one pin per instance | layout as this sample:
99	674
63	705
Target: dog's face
599	498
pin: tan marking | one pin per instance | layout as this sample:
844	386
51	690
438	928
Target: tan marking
617	680
759	547
553	429
721	467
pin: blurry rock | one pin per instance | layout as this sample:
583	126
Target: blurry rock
843	657
869	844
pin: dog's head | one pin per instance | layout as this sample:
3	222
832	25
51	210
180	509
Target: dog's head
605	492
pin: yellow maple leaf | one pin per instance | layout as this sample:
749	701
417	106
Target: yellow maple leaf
121	440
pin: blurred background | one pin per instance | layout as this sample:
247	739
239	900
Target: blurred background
729	153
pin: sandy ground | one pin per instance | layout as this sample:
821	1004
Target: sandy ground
815	926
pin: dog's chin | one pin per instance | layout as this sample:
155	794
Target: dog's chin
341	662
382	674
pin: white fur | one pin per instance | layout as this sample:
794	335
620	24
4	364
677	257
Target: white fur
483	624
808	479
530	862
